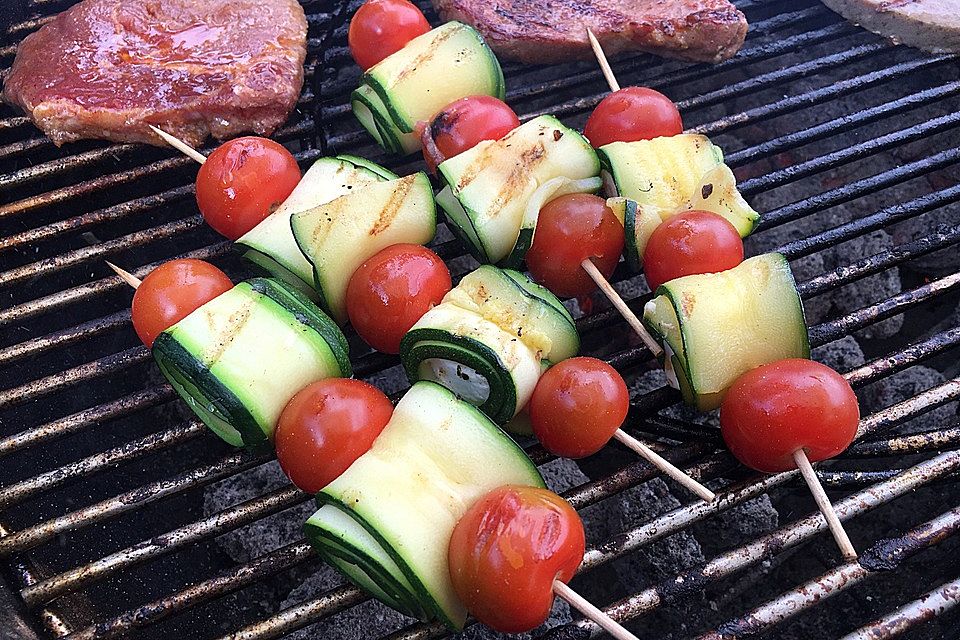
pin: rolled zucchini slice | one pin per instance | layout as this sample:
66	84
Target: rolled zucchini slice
391	514
403	89
488	340
270	245
717	326
663	177
489	187
337	237
238	359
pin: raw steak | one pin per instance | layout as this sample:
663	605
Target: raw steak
933	25
555	30
106	68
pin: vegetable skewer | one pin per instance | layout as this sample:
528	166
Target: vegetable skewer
798	456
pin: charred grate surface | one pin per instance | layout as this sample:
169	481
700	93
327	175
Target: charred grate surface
121	516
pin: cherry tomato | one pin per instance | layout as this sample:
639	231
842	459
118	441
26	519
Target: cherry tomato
242	182
382	27
507	550
772	411
326	427
392	290
577	406
570	229
464	123
171	292
691	243
632	113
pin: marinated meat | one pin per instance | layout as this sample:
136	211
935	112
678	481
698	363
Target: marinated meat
107	68
555	30
933	25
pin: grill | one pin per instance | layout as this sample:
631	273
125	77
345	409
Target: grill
110	523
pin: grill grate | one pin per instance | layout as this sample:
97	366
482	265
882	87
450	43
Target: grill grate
835	135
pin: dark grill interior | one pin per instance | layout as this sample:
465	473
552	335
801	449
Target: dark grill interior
111	521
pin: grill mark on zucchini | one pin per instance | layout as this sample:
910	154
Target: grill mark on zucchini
515	181
234	323
425	56
389	212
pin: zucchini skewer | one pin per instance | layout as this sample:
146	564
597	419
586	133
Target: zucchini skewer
792	342
215	356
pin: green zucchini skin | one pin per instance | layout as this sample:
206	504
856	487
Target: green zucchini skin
215	368
435	457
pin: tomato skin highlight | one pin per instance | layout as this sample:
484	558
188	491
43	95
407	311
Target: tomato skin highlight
577	406
630	114
464	123
389	292
569	230
380	28
506	551
173	291
691	243
242	182
326	427
772	411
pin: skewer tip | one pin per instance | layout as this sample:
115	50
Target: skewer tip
179	145
125	275
847	549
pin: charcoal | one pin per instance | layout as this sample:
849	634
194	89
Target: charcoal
737	526
562	475
843	355
893	389
559	615
390	381
263	535
370	619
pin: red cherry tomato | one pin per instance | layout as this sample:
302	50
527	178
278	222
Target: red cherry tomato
326	427
463	123
632	113
691	243
382	27
507	550
171	292
569	230
577	406
772	411
242	182
392	290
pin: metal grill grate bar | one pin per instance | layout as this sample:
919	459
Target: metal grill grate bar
930	605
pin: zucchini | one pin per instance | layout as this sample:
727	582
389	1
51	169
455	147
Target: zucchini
270	245
666	176
238	359
399	502
488	339
337	237
489	187
403	89
717	326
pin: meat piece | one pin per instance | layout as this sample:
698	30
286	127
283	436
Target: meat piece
555	30
107	68
932	25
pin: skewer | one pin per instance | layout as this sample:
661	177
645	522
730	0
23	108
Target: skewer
125	275
664	465
622	307
584	606
179	145
602	61
825	506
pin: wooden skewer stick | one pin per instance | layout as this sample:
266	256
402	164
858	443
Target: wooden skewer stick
584	606
602	60
825	506
125	275
664	465
179	145
622	307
